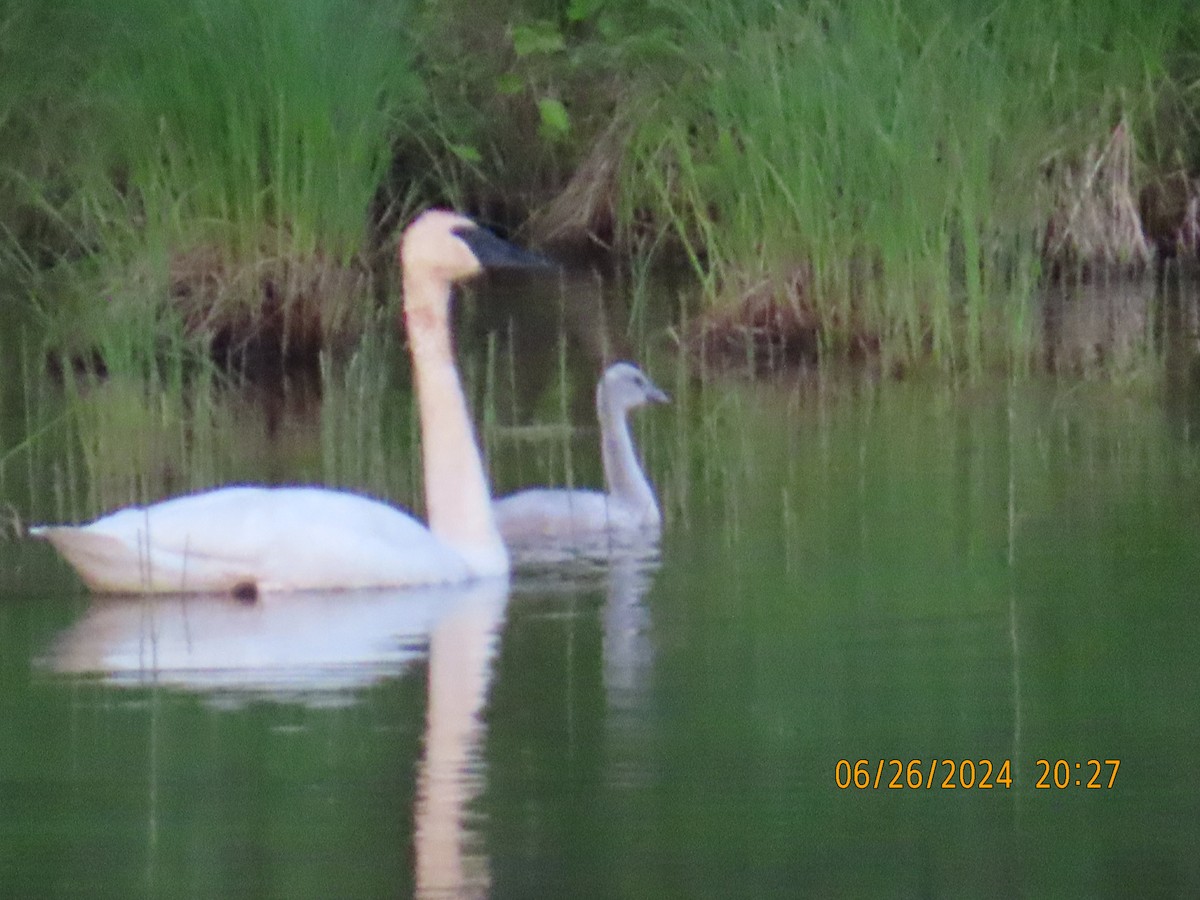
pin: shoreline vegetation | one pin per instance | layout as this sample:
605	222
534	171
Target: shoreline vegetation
863	179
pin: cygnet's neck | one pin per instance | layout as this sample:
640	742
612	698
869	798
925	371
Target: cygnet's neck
457	496
624	480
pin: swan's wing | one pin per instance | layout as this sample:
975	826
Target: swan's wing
544	526
554	512
548	513
271	538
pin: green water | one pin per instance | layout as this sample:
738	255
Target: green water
849	570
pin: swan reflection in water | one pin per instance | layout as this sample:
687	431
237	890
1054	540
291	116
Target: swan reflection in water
315	648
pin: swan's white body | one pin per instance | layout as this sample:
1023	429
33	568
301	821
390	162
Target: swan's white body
626	507
257	539
250	539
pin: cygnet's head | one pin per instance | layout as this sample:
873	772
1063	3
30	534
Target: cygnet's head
446	247
624	386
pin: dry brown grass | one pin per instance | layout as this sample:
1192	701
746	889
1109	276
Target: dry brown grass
1187	237
1096	223
286	306
1170	206
766	329
585	210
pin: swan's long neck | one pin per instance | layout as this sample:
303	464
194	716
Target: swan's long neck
624	479
457	496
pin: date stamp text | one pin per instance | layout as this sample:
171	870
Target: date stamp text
971	774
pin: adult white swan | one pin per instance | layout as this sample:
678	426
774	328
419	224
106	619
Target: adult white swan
628	504
247	540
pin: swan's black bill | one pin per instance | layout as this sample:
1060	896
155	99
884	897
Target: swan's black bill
496	253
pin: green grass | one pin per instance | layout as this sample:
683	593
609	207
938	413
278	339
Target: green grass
369	427
252	114
171	171
899	160
222	165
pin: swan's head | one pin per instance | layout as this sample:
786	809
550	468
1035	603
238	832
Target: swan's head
624	386
444	247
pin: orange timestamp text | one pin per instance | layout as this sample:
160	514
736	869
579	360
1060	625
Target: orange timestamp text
970	774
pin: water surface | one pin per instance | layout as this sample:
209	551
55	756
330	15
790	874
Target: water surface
850	570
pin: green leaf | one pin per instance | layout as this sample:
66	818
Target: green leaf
555	121
537	37
609	28
466	153
582	10
510	83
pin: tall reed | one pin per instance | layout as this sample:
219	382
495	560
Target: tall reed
883	165
228	155
253	115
